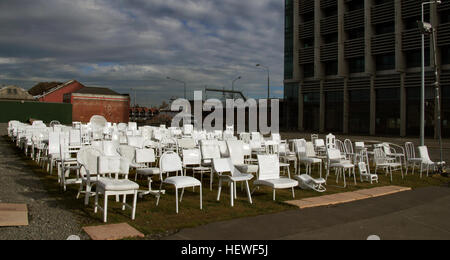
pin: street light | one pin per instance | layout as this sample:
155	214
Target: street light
180	81
427	29
232	84
268	79
424	27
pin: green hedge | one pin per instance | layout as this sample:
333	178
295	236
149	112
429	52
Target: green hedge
26	110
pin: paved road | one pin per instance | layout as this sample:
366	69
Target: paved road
419	214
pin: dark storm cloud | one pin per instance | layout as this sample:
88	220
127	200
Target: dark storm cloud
126	44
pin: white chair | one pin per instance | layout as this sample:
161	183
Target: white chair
307	182
115	187
192	160
210	150
171	162
225	165
237	156
386	163
365	174
330	141
411	158
145	158
269	175
426	161
341	166
307	156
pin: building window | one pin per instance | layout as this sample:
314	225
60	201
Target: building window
414	58
289	40
379	2
445	111
291	106
311	111
355	5
330	38
388	111
445	54
308	70
334	113
330	11
385	61
356	65
413	110
331	68
355	33
308	17
444	16
308	42
383	28
359	111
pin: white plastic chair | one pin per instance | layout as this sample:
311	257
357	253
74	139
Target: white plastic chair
269	175
307	156
225	165
426	161
171	162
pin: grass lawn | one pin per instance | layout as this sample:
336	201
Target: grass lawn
156	222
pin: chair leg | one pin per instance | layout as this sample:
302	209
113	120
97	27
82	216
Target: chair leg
220	189
133	210
293	193
274	195
231	194
96	202
201	197
124	201
105	209
235	190
87	194
248	193
176	200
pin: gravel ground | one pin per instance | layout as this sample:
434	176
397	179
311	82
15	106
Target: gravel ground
48	219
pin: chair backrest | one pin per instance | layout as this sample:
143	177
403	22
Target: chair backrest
423	153
170	162
410	151
188	129
75	137
319	143
269	167
224	165
362	168
224	153
314	137
87	157
110	148
340	146
127	152
331	141
245	137
386	148
333	154
132	126
210	149
135	141
276	137
192	157
298	143
236	150
256	136
379	155
53	142
186	143
310	152
145	156
359	145
348	145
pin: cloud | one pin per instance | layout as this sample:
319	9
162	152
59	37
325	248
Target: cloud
124	44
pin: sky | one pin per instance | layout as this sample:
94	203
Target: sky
137	44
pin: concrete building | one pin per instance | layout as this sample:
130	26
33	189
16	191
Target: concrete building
14	93
354	66
88	102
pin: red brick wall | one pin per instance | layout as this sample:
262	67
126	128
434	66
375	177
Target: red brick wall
115	110
58	95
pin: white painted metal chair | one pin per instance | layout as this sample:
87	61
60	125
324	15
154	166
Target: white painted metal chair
192	160
225	165
386	163
340	165
171	162
307	182
426	162
146	159
411	159
269	175
307	156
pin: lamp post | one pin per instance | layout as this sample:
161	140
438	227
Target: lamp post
268	79
422	90
180	81
232	84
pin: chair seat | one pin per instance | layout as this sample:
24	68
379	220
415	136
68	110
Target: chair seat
241	177
282	183
109	184
311	160
148	171
182	181
201	169
345	165
417	160
308	179
247	168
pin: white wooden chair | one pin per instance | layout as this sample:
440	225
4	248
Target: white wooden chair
225	165
365	174
171	162
269	175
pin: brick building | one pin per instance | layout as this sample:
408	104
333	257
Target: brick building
53	92
88	101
